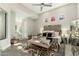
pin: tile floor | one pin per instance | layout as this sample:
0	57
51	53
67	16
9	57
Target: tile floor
65	50
68	51
14	51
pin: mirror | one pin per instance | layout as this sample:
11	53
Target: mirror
2	24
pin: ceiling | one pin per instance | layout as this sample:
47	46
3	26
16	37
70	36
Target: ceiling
36	9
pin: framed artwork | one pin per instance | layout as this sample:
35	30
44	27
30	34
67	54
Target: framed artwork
53	19
61	17
46	20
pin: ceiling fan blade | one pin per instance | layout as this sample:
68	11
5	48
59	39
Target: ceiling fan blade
37	4
47	5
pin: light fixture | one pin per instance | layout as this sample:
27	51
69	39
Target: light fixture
43	5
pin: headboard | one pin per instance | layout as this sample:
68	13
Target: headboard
56	28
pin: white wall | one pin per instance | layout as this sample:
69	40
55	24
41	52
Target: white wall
78	9
10	8
69	11
29	26
12	25
6	42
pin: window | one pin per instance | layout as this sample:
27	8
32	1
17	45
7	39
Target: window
2	24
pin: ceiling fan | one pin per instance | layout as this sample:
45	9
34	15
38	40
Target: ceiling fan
43	5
